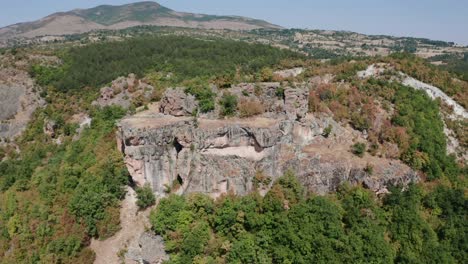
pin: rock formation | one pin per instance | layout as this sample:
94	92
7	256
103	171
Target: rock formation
18	101
183	154
177	103
124	91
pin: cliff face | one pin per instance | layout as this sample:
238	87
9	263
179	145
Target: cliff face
183	154
18	101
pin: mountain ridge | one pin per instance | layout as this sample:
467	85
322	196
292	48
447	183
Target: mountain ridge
124	16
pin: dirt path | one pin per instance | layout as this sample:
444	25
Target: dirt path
133	224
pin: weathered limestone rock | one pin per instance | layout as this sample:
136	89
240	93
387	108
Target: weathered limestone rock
182	155
123	91
151	250
296	102
294	72
177	103
18	101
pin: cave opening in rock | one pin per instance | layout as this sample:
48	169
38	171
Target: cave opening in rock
180	180
177	146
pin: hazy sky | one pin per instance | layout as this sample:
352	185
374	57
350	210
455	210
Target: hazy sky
435	19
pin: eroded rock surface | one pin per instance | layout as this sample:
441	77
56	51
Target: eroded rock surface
18	100
184	155
177	103
296	102
124	91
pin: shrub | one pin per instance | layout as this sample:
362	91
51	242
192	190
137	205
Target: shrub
327	131
369	169
145	197
228	104
280	93
248	107
359	149
204	95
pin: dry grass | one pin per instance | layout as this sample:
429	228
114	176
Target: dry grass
250	107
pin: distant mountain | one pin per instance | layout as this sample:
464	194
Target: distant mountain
125	16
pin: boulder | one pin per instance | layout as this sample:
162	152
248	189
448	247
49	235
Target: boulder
296	103
177	103
151	250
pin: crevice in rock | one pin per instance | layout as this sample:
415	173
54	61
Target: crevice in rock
177	146
254	141
180	180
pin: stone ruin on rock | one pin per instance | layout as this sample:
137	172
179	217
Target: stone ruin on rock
175	152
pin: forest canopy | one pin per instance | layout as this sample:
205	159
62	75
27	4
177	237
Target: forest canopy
288	226
97	64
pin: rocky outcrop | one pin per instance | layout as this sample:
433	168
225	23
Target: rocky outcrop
125	91
150	250
296	102
19	98
177	103
289	73
183	155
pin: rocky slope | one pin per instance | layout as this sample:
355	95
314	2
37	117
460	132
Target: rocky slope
175	152
125	16
18	99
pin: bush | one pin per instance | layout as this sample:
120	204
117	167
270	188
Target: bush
248	107
359	149
228	104
145	197
204	95
327	131
369	169
280	93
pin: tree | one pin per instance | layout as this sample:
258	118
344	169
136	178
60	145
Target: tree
145	197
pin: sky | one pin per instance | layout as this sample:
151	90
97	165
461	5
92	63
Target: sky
435	19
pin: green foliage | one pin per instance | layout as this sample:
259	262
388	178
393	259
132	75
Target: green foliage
203	93
351	227
55	197
417	241
420	115
145	197
359	149
228	104
108	14
453	63
327	131
280	92
97	64
44	75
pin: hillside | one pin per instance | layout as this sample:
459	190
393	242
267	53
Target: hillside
261	145
125	16
154	144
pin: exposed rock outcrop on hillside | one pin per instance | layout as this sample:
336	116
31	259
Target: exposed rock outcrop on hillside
177	103
124	91
182	154
18	101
